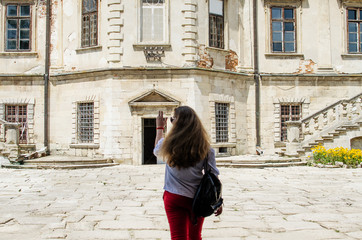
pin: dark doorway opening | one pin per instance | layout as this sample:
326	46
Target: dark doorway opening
149	135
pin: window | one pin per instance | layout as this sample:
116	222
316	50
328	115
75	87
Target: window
354	16
222	119
85	122
216	23
153	21
283	29
18	114
89	23
18	25
289	112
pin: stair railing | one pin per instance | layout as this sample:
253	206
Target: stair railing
314	126
343	111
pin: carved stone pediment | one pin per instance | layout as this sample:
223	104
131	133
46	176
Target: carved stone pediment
153	99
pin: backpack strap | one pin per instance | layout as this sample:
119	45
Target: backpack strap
206	163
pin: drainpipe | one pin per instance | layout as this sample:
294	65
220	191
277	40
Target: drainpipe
256	75
46	77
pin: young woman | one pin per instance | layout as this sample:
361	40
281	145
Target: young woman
184	150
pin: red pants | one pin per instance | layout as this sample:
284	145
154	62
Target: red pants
179	212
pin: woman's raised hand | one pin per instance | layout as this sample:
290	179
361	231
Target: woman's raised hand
160	120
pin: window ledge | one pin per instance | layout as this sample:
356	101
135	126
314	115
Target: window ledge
217	49
225	144
352	56
141	46
284	55
88	49
18	54
84	145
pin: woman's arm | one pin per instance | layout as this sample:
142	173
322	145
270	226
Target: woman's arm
160	126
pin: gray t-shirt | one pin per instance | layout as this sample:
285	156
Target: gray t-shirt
184	181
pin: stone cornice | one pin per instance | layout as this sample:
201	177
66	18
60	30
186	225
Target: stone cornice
319	77
135	72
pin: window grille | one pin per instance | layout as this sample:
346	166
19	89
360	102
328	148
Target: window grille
18	25
153	21
283	29
85	122
18	114
216	23
288	112
354	28
89	23
222	120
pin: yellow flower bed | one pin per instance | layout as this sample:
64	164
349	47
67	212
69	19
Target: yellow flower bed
351	158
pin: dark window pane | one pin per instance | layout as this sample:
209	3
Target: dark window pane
352	14
24	44
289	13
24	34
277	47
353	47
288	26
360	14
276	13
352	37
24	23
12	10
12	24
289	36
277	26
11	45
25	11
289	47
12	34
277	36
352	27
89	6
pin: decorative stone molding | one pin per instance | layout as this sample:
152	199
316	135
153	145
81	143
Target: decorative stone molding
305	102
221	98
152	99
96	140
30	102
189	37
116	22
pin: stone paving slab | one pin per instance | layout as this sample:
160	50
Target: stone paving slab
125	202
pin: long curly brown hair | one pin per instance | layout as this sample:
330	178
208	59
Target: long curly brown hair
188	142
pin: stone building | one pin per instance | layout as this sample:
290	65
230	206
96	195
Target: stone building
88	77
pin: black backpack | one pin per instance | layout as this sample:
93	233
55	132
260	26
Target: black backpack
207	198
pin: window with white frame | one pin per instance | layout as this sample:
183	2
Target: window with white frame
85	122
222	122
216	23
283	29
153	21
354	29
89	34
18	27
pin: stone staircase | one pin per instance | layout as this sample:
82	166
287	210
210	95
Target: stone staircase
258	161
62	162
334	126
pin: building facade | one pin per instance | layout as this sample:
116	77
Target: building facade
247	67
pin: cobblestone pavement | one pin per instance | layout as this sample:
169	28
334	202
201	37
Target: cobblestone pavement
125	202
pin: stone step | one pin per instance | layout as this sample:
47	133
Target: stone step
261	165
350	126
74	166
255	161
41	161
